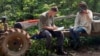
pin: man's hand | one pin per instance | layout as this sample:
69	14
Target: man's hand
85	12
50	27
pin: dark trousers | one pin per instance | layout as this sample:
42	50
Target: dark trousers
48	34
75	34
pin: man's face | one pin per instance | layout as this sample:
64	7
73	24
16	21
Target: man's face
53	13
82	8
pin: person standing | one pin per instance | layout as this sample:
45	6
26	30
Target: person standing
82	24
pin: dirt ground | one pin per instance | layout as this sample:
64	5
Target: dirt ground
88	53
85	51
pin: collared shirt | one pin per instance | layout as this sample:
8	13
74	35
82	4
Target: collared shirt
45	20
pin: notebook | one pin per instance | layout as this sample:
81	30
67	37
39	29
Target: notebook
59	28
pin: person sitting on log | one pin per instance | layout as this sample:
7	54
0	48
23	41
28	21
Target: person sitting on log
47	30
82	24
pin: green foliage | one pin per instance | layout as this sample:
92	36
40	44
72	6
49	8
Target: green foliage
28	9
17	8
32	30
65	22
38	48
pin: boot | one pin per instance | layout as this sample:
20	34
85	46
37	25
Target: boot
59	51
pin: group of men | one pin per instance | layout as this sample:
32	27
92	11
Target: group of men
83	22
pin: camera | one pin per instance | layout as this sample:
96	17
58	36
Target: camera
82	7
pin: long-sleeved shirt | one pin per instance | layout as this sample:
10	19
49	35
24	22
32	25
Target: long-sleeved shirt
84	21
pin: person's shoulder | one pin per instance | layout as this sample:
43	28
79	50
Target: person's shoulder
77	13
89	10
43	14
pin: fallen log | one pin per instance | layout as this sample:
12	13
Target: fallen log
67	34
96	14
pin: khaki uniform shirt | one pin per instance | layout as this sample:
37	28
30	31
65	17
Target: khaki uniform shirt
45	20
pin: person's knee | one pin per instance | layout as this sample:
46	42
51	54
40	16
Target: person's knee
47	34
76	31
71	29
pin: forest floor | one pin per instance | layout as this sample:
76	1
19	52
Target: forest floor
83	51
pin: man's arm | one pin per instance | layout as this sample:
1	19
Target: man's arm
76	21
90	16
48	27
44	25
